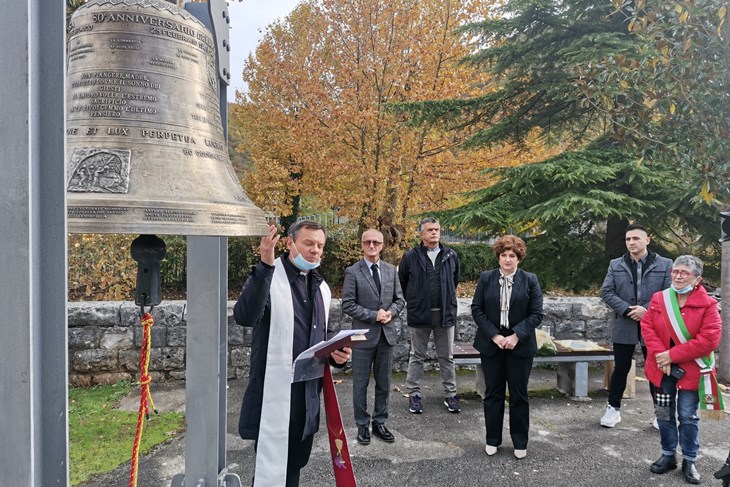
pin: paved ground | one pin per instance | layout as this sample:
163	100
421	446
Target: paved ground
567	445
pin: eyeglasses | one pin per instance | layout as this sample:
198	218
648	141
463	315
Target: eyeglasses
681	273
368	243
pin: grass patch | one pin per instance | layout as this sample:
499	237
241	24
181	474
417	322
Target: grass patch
101	437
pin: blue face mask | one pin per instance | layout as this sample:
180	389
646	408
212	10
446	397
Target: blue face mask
303	264
685	290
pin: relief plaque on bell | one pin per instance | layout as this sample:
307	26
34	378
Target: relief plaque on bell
146	152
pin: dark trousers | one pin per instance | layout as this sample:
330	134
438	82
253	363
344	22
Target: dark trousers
299	448
500	370
622	356
380	359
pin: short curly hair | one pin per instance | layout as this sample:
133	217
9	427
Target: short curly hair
510	242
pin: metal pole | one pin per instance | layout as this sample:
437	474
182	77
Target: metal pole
723	366
206	316
33	351
206	362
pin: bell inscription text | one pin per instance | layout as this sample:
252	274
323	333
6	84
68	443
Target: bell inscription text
144	129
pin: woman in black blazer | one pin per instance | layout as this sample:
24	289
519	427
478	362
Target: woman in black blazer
507	307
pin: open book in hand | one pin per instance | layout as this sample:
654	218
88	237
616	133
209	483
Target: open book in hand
310	363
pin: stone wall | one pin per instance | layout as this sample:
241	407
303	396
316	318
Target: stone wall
105	337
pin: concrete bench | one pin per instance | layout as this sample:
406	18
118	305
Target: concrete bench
572	367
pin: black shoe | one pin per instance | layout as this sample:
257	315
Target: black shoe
664	464
414	405
691	474
452	404
363	435
724	472
382	432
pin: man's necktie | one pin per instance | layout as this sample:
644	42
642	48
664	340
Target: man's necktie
376	276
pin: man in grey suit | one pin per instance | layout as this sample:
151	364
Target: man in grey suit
372	296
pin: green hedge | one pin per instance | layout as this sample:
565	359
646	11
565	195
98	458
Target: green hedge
100	266
343	249
575	267
474	259
242	256
571	265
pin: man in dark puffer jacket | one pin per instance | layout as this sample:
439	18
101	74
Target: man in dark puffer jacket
429	275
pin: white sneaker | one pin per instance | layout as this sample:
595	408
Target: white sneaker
655	423
520	454
611	417
490	450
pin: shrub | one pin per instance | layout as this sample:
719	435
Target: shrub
342	250
100	267
571	264
173	268
474	259
243	254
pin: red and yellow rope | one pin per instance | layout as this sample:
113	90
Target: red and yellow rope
145	399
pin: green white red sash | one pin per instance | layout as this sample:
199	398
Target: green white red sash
710	396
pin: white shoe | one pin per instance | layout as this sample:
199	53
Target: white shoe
655	423
490	450
611	417
520	454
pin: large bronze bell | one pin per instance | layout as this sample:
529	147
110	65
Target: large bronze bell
146	151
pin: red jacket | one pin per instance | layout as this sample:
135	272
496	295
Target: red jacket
703	323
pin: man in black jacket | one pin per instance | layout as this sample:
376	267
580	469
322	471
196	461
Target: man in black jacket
429	275
286	301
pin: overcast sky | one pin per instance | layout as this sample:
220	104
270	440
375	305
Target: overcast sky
248	22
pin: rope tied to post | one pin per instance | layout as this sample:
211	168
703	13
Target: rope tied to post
145	397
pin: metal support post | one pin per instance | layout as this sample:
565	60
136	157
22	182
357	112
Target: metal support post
33	351
206	361
723	365
206	357
206	366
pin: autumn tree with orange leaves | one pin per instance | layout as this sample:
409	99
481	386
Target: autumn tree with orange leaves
315	118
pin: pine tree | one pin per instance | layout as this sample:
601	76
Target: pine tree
533	49
539	51
564	203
